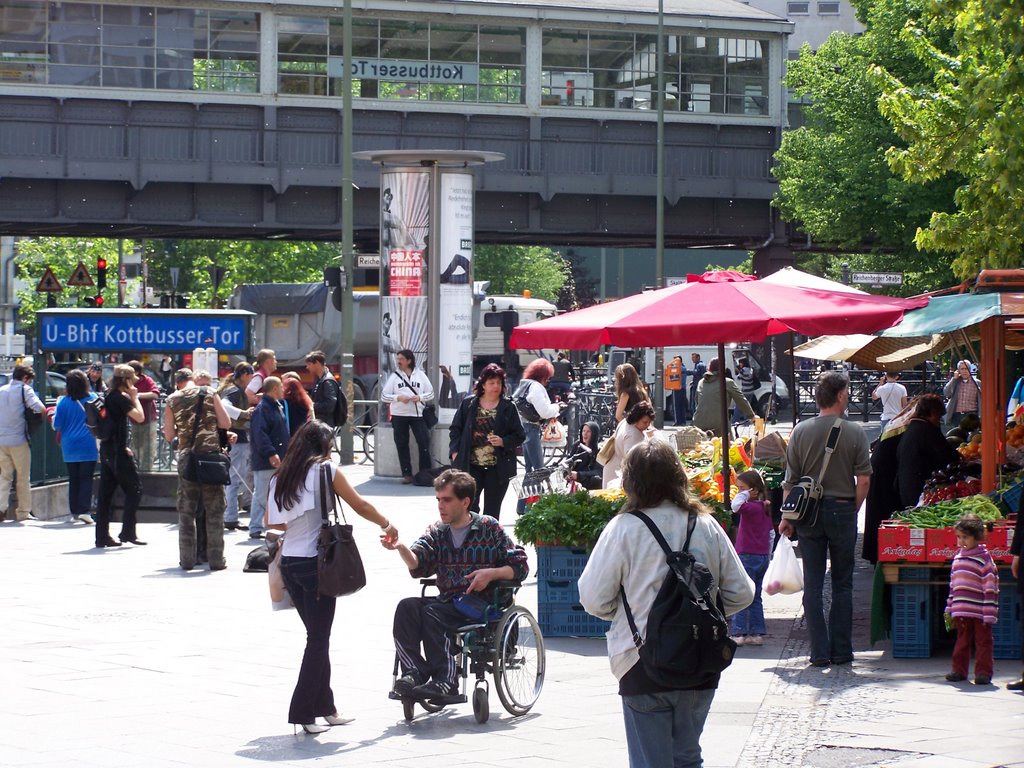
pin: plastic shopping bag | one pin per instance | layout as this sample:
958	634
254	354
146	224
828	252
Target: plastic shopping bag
784	575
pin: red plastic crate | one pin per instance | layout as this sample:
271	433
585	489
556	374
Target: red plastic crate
901	542
940	544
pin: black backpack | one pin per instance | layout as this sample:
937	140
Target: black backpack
687	643
527	411
340	415
97	418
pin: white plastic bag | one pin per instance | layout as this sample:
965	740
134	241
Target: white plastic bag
784	575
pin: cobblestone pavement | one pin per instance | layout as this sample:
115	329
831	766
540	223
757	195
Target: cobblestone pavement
117	658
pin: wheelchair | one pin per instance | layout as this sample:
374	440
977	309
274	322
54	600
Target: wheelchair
509	647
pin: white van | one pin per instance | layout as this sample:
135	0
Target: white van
489	344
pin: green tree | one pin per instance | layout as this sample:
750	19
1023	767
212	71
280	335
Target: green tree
834	177
513	269
965	122
62	254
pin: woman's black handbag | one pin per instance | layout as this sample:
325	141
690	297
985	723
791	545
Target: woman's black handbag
338	564
430	415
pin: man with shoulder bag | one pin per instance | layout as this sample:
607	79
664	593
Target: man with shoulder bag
329	403
828	471
196	418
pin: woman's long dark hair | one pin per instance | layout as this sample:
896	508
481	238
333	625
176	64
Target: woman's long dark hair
310	445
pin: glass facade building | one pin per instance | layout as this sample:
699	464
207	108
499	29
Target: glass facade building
397	57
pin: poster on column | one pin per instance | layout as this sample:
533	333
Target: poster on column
404	237
455	305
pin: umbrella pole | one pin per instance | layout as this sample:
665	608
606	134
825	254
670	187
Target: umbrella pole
794	393
723	393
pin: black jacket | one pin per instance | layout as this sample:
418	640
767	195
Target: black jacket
506	425
325	397
923	449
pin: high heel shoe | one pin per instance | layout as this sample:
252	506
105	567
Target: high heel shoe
338	719
312	728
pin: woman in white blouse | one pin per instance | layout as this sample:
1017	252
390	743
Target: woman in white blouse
631	431
292	507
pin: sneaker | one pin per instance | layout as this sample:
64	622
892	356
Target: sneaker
738	639
87	519
1016	686
435	689
983	680
754	640
955	677
405	684
255	535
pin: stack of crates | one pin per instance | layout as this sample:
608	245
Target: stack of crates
559	612
911	615
1006	632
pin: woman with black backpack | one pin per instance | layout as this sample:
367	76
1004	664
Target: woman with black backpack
628	567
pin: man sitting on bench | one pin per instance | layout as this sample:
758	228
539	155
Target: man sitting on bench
466	552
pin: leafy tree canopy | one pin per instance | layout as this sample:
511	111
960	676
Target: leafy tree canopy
834	177
513	269
965	122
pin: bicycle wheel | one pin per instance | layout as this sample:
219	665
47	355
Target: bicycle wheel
369	435
519	661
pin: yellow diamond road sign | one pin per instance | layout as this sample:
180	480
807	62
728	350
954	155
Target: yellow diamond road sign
80	277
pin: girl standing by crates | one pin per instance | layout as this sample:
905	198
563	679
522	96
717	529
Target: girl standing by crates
754	545
973	602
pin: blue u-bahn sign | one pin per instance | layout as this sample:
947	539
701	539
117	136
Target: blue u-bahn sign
144	330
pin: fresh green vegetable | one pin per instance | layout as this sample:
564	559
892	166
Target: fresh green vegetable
947	513
567	520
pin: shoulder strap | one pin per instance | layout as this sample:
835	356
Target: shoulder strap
408	383
327	497
830	446
691	524
195	417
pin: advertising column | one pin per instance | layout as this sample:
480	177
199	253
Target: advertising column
455	284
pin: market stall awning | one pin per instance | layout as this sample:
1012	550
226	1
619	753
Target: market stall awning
714	308
874	352
944	314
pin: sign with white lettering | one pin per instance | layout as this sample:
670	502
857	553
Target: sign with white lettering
444	72
877	278
150	331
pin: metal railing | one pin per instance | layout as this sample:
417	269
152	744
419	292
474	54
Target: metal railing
862	384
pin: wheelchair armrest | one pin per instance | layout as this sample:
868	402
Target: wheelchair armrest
424	583
506	584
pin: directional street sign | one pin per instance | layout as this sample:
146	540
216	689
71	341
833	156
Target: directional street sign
80	277
877	278
368	260
49	283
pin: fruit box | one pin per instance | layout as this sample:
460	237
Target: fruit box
999	540
901	542
940	544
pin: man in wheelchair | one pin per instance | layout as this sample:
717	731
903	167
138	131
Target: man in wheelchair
466	552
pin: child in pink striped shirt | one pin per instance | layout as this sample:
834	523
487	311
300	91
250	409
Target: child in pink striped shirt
973	602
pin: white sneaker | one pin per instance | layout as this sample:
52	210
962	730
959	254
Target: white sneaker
755	640
87	519
739	639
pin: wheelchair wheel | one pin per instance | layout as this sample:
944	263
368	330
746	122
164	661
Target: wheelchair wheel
409	708
481	707
518	661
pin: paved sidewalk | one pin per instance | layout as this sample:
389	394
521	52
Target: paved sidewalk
118	658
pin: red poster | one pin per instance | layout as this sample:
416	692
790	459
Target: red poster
406	273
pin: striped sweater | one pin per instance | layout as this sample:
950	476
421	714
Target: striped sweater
486	546
974	586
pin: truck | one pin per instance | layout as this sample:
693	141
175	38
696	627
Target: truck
294	318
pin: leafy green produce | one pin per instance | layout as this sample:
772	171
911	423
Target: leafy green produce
567	520
947	513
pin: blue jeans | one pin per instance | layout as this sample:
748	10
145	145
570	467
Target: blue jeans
663	729
833	538
239	466
750	621
260	493
80	486
312	697
533	454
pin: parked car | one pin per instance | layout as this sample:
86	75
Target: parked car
55	383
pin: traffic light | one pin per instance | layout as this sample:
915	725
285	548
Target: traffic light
98	300
101	273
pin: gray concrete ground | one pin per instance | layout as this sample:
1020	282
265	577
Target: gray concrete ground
117	658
